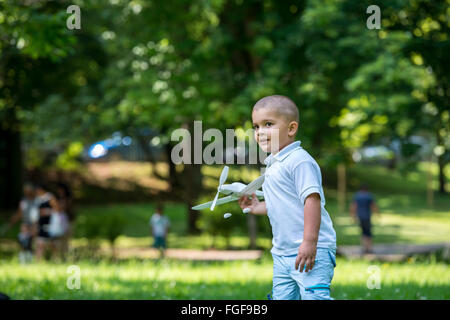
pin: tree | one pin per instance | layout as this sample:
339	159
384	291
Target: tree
428	44
32	42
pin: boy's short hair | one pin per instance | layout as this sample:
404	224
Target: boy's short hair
281	104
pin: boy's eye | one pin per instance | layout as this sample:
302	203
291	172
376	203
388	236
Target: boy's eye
255	127
268	124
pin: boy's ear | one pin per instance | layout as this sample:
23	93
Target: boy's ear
293	127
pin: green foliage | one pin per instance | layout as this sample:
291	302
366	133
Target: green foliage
113	227
96	227
163	64
69	160
214	223
89	227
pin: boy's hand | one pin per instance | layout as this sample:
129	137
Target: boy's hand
256	206
245	202
306	256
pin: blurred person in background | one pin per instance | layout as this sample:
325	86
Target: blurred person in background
57	228
27	213
361	209
44	201
159	224
65	201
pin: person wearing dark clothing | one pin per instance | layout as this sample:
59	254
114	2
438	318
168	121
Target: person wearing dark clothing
43	201
361	209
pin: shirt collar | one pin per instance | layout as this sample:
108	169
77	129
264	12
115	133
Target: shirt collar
281	155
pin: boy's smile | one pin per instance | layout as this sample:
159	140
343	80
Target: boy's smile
272	131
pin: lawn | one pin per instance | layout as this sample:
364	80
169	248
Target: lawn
169	279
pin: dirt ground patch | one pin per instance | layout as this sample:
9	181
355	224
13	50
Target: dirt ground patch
189	254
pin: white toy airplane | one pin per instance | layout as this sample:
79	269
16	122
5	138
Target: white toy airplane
234	191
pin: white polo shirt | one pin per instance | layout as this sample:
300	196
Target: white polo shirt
292	175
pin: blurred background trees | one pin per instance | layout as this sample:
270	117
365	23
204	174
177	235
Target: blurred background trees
139	64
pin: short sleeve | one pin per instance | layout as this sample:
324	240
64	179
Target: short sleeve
307	179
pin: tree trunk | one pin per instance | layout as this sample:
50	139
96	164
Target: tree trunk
192	189
341	187
192	183
252	230
11	167
441	163
174	180
430	195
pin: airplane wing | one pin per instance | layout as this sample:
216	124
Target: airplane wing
219	201
253	186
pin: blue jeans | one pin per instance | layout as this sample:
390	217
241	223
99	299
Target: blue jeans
291	284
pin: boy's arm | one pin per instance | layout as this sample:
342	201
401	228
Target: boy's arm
307	251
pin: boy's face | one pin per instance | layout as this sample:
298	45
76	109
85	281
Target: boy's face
272	131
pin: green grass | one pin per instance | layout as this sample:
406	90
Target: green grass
168	279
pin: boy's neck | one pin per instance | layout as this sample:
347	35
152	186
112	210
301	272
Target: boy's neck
284	146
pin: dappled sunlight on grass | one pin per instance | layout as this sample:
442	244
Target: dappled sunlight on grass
169	279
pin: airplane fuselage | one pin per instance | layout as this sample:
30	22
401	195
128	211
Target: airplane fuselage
235	189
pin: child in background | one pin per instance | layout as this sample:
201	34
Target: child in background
159	224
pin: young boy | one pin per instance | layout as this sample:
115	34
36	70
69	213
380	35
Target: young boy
160	227
304	241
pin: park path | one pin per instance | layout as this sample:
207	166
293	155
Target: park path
394	252
189	254
382	252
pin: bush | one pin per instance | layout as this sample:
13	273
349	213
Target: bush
214	223
90	227
94	228
113	228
